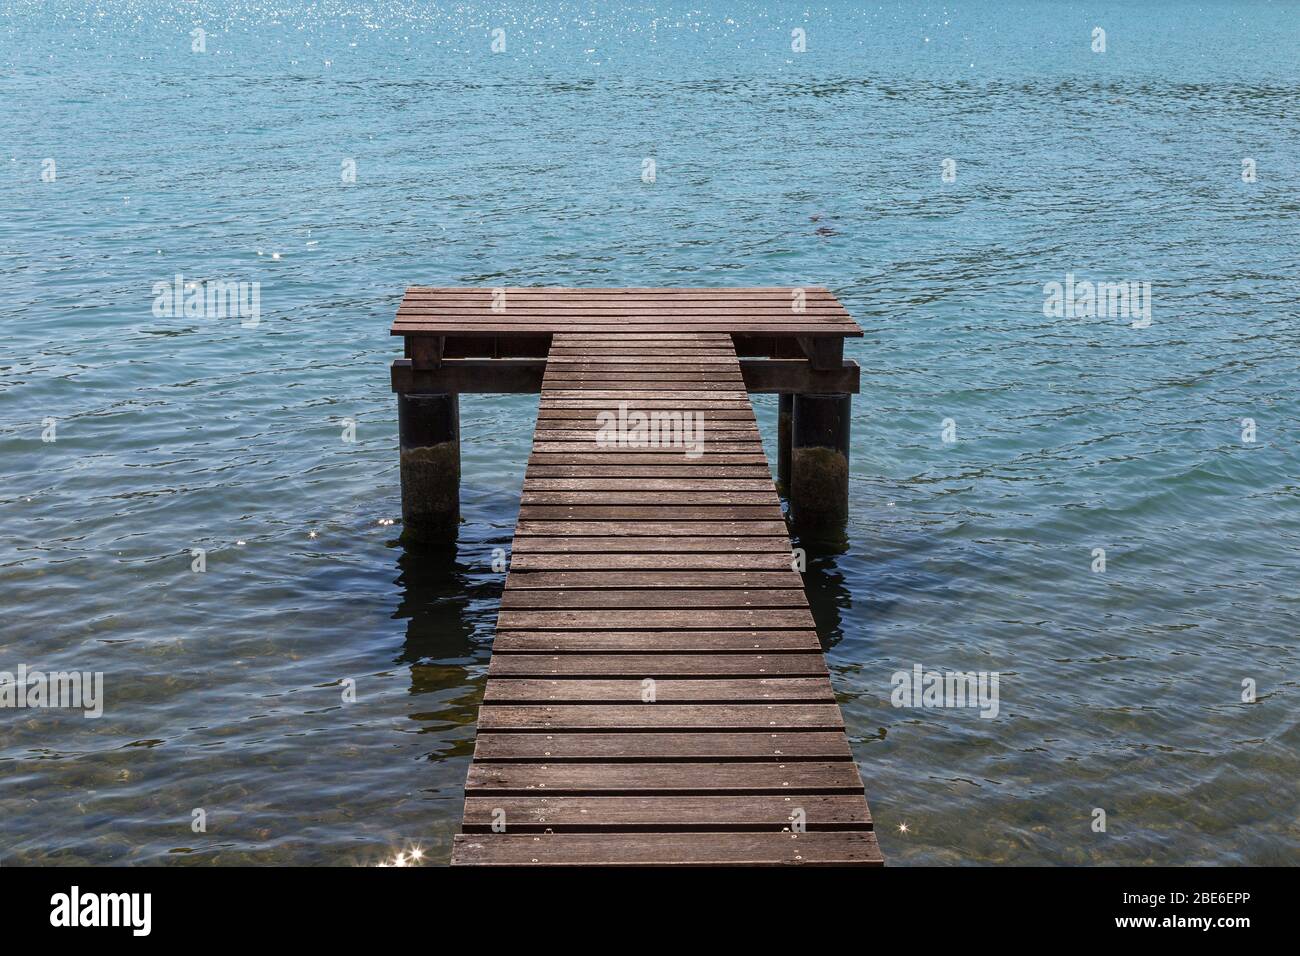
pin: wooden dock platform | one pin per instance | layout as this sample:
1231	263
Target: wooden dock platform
657	692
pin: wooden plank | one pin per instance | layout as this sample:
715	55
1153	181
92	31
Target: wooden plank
634	378
559	779
706	318
741	314
690	498
620	458
625	388
665	642
692	559
531	813
547	412
657	665
654	529
841	848
656	717
701	361
684	399
768	513
777	295
689	470
501	326
707	618
667	318
589	306
675	748
521	579
666	399
624	599
715	435
653	549
594	483
773	690
615	344
656	290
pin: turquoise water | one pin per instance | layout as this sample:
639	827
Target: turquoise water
1119	690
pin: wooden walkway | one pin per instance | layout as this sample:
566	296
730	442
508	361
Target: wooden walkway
657	692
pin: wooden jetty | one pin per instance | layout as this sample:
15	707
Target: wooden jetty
657	692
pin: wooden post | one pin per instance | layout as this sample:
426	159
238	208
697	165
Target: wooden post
785	412
428	427
819	463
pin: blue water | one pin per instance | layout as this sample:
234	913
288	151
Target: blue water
1120	690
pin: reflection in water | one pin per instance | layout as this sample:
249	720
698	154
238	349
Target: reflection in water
448	597
827	590
436	591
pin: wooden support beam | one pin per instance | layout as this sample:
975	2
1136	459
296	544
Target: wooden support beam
481	346
798	375
471	376
501	376
823	353
498	346
425	351
766	346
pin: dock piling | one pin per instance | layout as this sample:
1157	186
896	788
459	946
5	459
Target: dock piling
819	463
428	428
784	415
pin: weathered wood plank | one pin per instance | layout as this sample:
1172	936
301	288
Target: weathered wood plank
653	529
654	665
651	548
547	291
838	848
589	427
815	811
629	460
630	514
730	415
651	717
624	379
642	483
676	748
658	466
417	308
747	619
660	642
558	779
699	434
650	598
681	499
772	690
502	326
562	559
616	580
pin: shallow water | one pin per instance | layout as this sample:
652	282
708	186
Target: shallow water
1120	690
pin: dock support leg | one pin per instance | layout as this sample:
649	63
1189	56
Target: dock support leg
784	414
819	463
428	427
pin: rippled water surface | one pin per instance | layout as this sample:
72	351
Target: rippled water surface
1120	690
